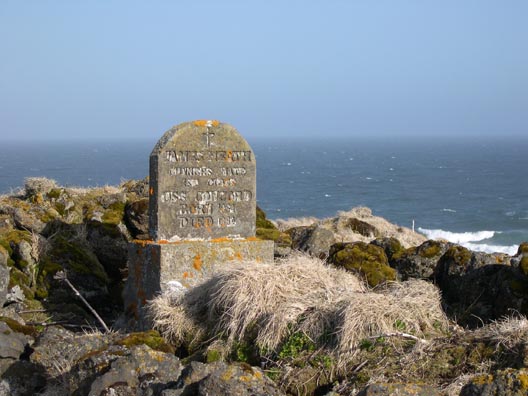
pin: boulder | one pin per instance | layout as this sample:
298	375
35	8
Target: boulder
509	382
12	344
219	378
361	227
110	247
266	230
419	262
390	246
369	260
25	220
314	239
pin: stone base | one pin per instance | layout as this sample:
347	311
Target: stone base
151	265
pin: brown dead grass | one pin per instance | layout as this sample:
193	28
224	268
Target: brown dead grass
268	302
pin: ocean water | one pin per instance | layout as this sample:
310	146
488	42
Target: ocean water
472	192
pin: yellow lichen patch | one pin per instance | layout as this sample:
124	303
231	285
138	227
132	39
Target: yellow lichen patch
238	256
197	263
204	123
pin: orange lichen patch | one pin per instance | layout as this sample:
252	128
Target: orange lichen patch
197	263
163	242
223	239
151	191
142	242
186	275
229	156
203	123
253	239
238	256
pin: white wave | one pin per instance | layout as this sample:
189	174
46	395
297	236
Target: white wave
469	239
449	210
457	237
511	250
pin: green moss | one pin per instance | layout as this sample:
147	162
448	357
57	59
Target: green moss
150	338
54	193
75	256
19	327
523	265
13	238
369	260
114	214
262	221
458	255
18	278
213	356
280	238
430	250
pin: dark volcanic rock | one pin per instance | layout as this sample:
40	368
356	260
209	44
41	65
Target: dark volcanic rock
314	239
12	344
219	378
390	246
368	260
361	227
419	262
508	382
110	247
136	218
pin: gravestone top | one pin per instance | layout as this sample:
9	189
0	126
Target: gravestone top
202	183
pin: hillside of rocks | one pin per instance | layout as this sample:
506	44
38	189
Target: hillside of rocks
58	244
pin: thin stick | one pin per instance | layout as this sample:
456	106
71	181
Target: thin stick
400	334
62	276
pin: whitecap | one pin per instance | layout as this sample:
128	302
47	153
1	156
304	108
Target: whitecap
468	239
457	237
391	169
327	195
449	210
368	178
511	213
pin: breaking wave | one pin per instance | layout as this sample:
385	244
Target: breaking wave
470	240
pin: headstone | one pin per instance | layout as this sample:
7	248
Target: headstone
202	183
202	213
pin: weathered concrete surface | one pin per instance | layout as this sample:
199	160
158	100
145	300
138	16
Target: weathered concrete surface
153	265
202	183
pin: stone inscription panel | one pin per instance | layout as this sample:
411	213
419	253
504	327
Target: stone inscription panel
202	183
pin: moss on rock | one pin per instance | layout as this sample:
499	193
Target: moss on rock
150	338
367	259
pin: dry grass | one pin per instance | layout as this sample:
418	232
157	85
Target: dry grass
508	331
284	224
268	302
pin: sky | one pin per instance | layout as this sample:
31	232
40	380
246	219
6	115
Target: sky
290	69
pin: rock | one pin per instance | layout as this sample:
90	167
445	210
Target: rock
12	344
484	294
22	378
15	295
138	187
110	247
366	259
315	240
390	246
219	378
119	370
57	348
6	223
38	185
266	230
419	262
27	221
509	382
362	227
398	390
136	218
4	276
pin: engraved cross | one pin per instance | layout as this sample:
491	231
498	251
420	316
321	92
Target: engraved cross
208	135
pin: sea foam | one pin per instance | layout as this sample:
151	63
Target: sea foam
469	239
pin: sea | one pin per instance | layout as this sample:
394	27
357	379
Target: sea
469	191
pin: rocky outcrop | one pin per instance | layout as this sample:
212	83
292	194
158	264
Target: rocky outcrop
314	240
508	382
367	260
4	276
399	389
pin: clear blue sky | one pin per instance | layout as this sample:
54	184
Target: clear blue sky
132	69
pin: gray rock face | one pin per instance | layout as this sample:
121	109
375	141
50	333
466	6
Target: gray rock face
12	344
36	185
222	379
4	276
315	240
202	183
508	382
398	389
26	221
